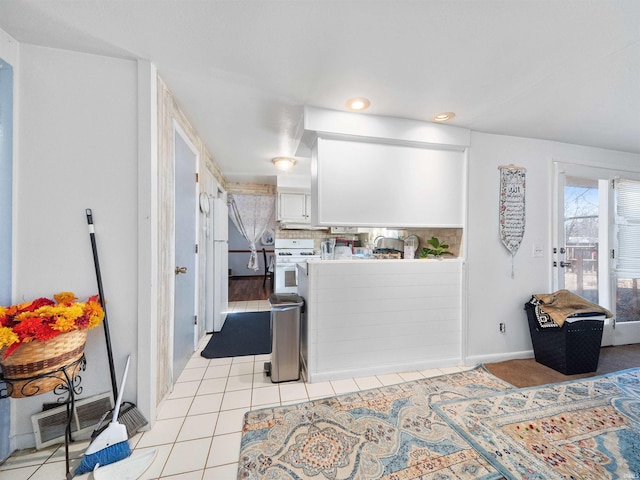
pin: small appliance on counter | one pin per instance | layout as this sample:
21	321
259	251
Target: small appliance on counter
328	249
345	242
342	253
388	248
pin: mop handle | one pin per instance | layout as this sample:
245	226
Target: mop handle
116	411
107	336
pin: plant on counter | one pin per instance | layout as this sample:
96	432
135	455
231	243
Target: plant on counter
435	249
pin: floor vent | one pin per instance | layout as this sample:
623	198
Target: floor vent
49	426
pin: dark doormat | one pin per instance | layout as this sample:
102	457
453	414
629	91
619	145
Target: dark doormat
242	334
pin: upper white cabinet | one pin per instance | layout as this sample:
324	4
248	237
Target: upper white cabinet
370	184
294	207
375	171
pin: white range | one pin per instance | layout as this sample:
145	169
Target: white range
288	253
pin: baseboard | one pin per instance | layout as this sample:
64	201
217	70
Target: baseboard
497	357
383	369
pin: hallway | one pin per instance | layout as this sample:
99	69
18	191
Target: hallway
246	294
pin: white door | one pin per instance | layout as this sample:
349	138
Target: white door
185	306
585	244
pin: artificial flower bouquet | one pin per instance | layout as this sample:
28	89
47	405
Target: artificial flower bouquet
44	319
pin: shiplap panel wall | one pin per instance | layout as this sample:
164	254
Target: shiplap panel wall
381	316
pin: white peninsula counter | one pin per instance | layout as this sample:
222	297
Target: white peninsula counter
368	317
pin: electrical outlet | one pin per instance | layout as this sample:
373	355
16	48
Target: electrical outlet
537	251
503	328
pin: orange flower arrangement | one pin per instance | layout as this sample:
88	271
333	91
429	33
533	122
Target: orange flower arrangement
43	319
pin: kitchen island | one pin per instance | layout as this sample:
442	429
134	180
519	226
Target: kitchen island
366	317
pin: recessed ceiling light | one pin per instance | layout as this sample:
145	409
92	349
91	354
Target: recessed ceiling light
284	163
443	117
358	104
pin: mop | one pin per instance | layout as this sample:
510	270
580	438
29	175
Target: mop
112	444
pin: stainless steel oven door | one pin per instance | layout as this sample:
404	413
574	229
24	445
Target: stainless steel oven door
286	278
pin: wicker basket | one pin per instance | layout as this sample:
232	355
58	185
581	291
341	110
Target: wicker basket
571	349
25	370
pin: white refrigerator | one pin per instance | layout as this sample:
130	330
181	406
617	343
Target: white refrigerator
220	262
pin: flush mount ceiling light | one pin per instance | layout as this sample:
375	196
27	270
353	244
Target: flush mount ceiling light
358	104
283	163
443	117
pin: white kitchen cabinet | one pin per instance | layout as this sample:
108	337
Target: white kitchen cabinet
367	184
294	207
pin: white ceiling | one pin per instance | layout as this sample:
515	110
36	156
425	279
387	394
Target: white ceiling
243	70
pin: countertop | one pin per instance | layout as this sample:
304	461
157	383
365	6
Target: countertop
385	260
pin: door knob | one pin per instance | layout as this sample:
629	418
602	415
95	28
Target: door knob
181	270
565	264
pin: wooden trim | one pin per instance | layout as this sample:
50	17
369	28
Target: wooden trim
250	188
249	251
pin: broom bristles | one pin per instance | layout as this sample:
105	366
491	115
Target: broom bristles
132	418
114	453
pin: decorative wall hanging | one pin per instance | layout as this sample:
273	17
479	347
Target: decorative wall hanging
512	212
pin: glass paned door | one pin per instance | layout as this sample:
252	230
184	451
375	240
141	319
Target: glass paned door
597	246
581	237
581	262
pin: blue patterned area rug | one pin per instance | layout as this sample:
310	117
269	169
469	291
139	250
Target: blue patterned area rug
588	428
388	432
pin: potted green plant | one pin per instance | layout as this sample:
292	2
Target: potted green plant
436	249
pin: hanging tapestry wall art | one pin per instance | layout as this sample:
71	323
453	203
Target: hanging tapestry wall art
512	212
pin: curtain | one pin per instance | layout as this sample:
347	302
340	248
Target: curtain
251	215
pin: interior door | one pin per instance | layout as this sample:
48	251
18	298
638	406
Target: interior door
585	245
185	306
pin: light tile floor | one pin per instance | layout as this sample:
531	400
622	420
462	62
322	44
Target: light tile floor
198	429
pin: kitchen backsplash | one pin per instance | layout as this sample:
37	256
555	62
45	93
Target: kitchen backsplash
450	236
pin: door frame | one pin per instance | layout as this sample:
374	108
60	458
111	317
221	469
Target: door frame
614	333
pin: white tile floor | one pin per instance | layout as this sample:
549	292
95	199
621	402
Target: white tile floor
198	429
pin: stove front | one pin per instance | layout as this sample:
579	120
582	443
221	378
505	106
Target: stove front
288	253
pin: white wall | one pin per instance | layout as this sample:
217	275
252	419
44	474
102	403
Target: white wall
493	296
77	143
8	49
9	54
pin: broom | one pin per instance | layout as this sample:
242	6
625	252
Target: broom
112	445
129	414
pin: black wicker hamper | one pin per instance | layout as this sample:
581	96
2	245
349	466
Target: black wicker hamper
570	349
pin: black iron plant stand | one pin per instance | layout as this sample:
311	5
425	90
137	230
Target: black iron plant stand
69	385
